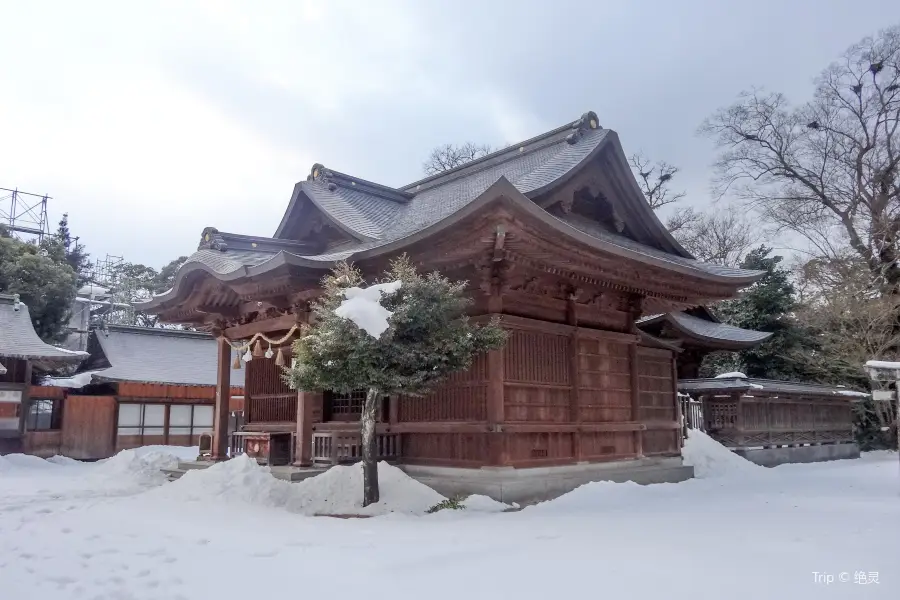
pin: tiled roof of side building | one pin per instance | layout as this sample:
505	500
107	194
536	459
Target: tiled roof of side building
153	355
739	384
18	338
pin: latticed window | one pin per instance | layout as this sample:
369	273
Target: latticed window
344	407
348	407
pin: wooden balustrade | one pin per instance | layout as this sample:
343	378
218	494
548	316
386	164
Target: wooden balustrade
336	447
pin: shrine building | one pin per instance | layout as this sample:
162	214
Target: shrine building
555	238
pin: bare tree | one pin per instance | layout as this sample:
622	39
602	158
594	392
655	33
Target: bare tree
449	156
654	180
829	166
723	236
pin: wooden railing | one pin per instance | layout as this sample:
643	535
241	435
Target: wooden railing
335	447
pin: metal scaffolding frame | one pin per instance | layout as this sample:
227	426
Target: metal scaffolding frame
24	214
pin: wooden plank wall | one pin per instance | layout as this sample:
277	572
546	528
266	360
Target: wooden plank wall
568	395
89	426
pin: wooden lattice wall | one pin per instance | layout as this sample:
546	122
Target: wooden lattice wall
268	399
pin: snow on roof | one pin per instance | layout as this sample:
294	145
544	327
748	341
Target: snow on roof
883	364
362	306
732	375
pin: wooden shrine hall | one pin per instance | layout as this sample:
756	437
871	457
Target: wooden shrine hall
553	236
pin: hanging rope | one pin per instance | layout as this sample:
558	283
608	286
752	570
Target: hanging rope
261	336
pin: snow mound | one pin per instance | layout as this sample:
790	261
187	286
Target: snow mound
64	461
479	503
711	459
180	452
239	480
337	491
140	462
732	375
21	462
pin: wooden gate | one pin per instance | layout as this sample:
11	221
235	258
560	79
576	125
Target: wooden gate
89	425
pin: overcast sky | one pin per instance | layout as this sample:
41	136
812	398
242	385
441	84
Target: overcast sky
147	121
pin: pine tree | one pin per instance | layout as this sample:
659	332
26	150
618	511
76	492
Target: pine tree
767	305
428	338
61	246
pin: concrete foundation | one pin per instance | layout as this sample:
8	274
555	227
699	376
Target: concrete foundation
287	473
529	486
770	457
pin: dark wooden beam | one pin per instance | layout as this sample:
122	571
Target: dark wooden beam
240	332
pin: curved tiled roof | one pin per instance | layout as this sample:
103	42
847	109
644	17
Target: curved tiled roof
19	340
380	218
707	330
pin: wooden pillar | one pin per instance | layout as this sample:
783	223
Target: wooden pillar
223	400
574	379
394	409
636	399
679	417
497	454
304	438
25	401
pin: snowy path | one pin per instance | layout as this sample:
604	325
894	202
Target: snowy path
102	532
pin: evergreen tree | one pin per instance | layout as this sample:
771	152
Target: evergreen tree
44	282
428	338
767	305
61	246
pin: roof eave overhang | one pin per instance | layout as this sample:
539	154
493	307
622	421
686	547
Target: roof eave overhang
718	343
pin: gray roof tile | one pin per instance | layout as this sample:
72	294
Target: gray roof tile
19	340
149	355
738	384
377	215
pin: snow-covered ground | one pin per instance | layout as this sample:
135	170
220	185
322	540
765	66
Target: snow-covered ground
114	530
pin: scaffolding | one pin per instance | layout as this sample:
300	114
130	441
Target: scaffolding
24	214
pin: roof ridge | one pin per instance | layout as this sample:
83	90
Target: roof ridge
587	121
333	179
157	331
213	239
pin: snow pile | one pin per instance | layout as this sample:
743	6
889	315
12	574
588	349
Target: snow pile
362	306
239	480
732	375
479	503
337	491
141	462
711	459
23	462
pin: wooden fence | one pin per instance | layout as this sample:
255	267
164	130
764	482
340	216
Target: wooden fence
691	414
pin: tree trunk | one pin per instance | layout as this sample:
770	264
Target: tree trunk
369	459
